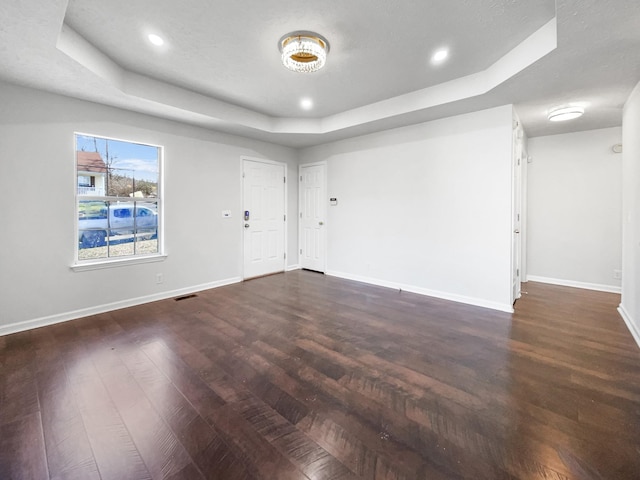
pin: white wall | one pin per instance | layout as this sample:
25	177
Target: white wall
37	181
425	208
630	305
574	209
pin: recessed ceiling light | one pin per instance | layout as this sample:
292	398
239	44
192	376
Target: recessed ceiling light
306	104
155	39
565	113
440	56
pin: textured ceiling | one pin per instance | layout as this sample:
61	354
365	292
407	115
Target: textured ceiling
228	50
220	65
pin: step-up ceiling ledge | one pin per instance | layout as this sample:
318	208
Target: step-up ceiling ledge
189	105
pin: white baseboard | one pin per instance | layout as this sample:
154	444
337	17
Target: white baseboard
572	283
85	312
291	268
631	325
478	302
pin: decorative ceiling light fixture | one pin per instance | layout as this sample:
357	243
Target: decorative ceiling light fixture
303	52
565	113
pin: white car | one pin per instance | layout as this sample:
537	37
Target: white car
124	219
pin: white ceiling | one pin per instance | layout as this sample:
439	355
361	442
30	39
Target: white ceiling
220	66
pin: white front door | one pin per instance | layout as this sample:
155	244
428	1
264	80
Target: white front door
263	217
312	216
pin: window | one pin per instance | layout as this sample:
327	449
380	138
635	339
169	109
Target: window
118	199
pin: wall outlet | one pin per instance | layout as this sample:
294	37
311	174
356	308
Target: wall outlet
617	274
159	278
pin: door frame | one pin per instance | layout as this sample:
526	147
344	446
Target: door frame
324	164
244	158
517	168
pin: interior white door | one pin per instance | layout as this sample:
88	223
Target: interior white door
313	216
263	217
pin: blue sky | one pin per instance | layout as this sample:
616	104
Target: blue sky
131	157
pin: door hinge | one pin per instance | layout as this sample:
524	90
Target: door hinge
300	251
300	214
300	177
285	255
285	218
284	179
517	272
242	174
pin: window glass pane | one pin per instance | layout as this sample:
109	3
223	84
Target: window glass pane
121	247
91	210
92	229
130	172
121	182
146	241
92	245
92	173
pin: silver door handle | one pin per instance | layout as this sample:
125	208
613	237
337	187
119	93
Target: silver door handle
320	223
246	225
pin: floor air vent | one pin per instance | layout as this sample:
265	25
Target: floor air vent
184	297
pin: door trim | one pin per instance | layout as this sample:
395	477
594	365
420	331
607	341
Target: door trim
286	208
326	224
517	220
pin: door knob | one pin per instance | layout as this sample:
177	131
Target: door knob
517	230
246	225
320	223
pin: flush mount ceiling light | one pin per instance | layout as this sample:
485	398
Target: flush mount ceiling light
303	52
565	113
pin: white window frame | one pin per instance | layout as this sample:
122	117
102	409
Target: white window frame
110	262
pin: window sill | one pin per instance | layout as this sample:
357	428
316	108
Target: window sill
120	262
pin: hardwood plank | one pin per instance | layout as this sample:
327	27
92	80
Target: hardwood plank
312	459
303	376
358	459
116	454
163	455
389	420
185	419
224	387
200	396
287	360
69	453
19	393
22	450
260	458
18	387
218	461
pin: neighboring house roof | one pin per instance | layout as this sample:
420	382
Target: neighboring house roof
91	162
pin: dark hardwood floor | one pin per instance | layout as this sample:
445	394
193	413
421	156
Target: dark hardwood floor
302	376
